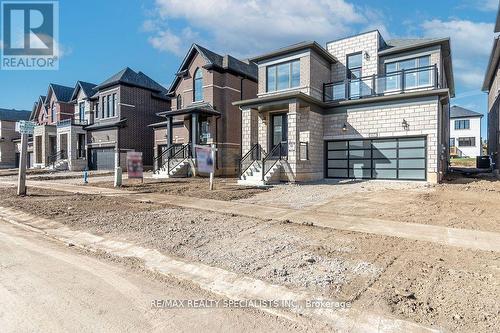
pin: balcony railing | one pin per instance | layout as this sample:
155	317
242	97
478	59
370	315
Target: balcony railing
71	122
407	80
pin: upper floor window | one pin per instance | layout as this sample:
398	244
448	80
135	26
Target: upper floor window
81	111
417	73
198	86
103	107
53	112
283	76
113	111
354	71
462	124
179	102
108	106
96	109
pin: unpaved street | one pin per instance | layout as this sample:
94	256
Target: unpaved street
47	287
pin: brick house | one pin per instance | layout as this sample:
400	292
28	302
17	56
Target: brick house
56	106
9	156
491	85
204	88
123	107
362	107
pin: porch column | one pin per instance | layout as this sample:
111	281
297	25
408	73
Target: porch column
169	132
194	133
249	129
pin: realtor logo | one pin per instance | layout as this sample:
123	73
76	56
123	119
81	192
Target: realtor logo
30	33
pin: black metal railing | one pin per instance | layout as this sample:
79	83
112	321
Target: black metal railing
52	159
161	160
278	153
178	157
254	154
402	81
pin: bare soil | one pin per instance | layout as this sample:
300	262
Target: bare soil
435	285
225	189
468	203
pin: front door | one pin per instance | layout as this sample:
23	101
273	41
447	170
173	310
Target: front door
279	133
64	146
52	144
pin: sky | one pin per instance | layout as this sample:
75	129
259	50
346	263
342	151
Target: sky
100	37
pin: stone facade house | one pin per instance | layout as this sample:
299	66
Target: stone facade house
9	156
362	108
204	88
122	108
56	107
491	85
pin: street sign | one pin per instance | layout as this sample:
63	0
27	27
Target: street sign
26	127
134	165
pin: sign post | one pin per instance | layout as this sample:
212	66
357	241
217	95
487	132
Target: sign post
25	128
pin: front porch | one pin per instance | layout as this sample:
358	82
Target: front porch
44	145
71	141
282	140
176	138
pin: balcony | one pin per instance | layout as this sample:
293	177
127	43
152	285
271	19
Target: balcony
71	122
407	80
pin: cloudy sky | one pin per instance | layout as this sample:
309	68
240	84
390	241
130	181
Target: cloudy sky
98	38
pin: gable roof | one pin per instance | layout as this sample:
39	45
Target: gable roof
129	77
88	89
14	115
62	93
409	44
39	103
297	47
216	62
460	112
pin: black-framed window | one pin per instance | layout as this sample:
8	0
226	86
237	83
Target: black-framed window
96	109
81	111
198	85
413	79
103	107
53	112
467	142
113	113
283	76
462	124
108	106
354	71
179	102
81	146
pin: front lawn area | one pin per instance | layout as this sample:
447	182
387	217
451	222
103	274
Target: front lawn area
463	162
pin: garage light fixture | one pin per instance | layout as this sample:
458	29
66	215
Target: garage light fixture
344	128
405	124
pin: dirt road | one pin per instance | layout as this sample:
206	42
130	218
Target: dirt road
47	287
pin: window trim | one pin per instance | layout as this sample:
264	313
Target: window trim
348	70
114	105
275	66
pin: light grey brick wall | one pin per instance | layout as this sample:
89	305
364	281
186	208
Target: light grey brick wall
249	123
367	42
385	120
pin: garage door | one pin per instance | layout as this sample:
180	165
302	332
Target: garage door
102	159
395	158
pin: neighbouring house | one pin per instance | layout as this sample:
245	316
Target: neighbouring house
9	155
204	88
491	85
56	107
71	134
361	108
123	107
465	132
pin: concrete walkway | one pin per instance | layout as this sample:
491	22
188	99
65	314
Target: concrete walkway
464	238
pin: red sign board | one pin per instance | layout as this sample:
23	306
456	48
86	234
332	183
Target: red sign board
134	165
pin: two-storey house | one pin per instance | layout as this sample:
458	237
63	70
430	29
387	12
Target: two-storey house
71	135
491	85
56	107
204	88
123	107
361	108
465	132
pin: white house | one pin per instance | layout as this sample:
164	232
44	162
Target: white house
465	132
